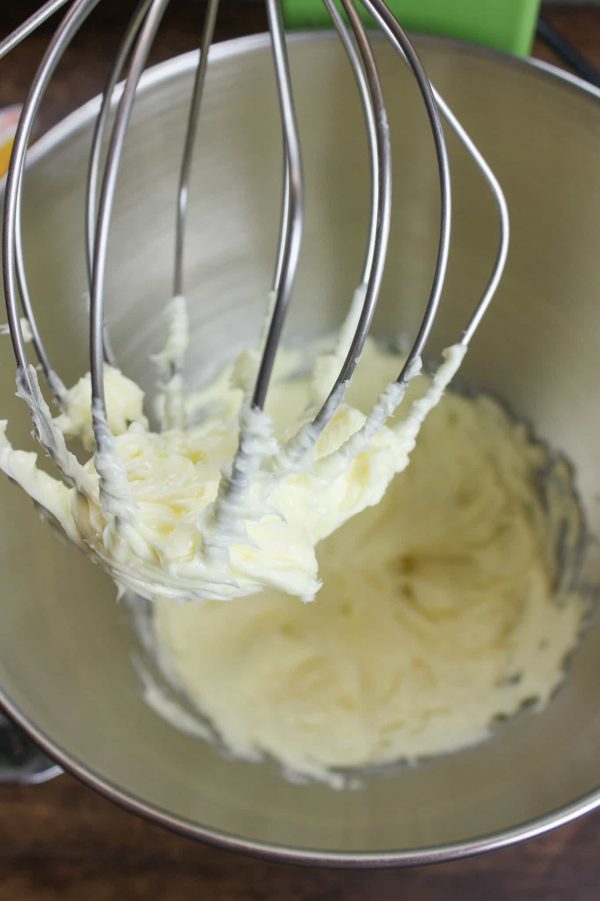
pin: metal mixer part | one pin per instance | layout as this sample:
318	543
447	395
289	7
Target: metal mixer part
22	762
103	174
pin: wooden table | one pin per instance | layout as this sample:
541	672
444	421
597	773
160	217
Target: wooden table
61	840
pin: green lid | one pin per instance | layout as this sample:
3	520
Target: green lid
507	25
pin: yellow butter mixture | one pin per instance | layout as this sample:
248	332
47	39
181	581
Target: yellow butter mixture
442	609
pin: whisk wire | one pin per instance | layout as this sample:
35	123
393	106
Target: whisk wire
12	238
393	31
292	214
369	116
100	129
141	50
188	148
381	200
30	25
380	11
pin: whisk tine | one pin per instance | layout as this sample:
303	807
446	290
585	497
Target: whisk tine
445	199
394	33
141	50
292	207
30	25
53	379
369	114
13	269
363	64
188	149
100	129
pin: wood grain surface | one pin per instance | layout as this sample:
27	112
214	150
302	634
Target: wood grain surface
61	840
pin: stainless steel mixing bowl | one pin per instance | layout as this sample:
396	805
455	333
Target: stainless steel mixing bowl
65	644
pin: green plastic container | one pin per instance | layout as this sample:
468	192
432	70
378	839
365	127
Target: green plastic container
507	25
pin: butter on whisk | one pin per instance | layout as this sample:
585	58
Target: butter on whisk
225	506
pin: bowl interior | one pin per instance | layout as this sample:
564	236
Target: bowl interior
65	644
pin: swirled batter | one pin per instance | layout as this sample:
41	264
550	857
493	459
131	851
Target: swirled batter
442	609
